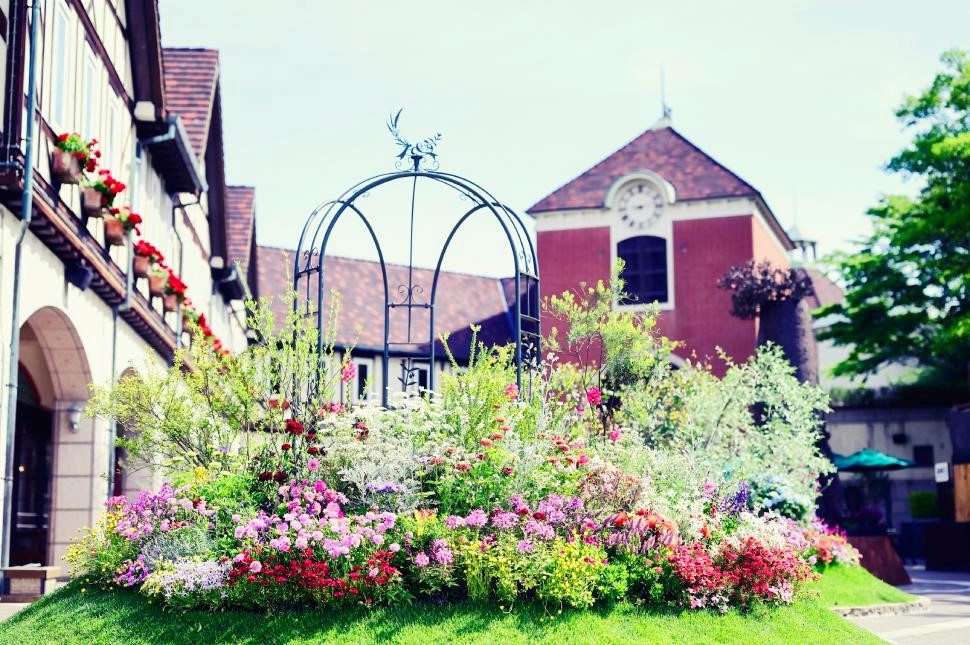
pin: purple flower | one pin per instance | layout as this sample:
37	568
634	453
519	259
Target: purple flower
504	520
453	521
524	546
421	560
477	518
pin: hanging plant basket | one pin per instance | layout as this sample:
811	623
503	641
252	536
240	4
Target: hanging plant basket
170	302
65	167
141	266
114	231
91	204
156	284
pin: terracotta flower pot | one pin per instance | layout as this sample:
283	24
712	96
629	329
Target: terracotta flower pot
91	203
65	167
141	266
114	231
170	302
156	284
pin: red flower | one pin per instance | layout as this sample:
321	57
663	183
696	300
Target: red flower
539	515
285	447
620	520
313	450
294	427
508	470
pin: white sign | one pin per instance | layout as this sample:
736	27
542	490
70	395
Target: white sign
941	472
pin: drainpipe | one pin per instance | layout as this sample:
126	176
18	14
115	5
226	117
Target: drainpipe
26	212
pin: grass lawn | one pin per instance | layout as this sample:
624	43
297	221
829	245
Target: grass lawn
856	587
75	616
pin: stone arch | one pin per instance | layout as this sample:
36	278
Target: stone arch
53	356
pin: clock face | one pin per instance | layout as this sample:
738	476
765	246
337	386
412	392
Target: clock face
640	205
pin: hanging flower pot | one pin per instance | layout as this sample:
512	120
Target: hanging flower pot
156	282
146	256
170	302
114	231
141	265
71	154
65	167
91	205
99	193
174	291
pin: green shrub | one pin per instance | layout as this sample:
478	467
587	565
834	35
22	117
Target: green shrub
923	505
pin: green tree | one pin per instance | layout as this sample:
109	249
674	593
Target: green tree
908	284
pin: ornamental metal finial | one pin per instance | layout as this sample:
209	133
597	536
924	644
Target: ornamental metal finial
419	152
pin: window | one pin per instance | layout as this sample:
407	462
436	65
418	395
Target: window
645	268
923	456
91	117
422	375
111	137
60	91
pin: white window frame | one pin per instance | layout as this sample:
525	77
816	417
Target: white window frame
353	390
60	69
91	98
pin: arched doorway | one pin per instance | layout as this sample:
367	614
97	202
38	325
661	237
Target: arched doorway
33	461
54	452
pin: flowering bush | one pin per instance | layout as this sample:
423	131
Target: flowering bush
828	545
283	497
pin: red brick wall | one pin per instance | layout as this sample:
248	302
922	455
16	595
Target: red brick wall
569	257
703	250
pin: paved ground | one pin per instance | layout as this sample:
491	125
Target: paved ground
947	621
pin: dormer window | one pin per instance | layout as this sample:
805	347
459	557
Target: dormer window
645	268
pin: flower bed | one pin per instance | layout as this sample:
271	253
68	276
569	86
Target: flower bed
566	493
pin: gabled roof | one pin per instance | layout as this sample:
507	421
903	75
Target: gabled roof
463	300
693	173
241	228
191	79
825	292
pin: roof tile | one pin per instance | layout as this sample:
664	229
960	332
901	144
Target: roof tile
691	171
191	77
463	300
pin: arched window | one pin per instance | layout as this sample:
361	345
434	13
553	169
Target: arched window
645	268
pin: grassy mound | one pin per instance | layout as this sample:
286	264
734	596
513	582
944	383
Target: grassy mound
856	587
78	615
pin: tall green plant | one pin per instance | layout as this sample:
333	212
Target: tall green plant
207	409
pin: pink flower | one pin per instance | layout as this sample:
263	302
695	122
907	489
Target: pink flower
524	546
476	519
394	548
583	458
512	392
347	371
594	395
421	560
255	566
313	465
614	434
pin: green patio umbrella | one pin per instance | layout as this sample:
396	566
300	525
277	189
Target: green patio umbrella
869	461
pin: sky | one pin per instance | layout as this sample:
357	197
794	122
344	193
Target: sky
796	98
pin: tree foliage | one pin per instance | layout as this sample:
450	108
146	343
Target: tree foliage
908	284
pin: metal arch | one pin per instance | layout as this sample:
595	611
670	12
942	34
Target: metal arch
329	213
320	269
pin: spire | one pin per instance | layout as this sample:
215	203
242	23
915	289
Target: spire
665	112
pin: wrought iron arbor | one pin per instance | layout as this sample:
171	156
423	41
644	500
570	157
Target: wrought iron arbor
309	273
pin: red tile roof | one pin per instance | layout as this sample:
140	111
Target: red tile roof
191	78
826	291
691	171
240	224
463	300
